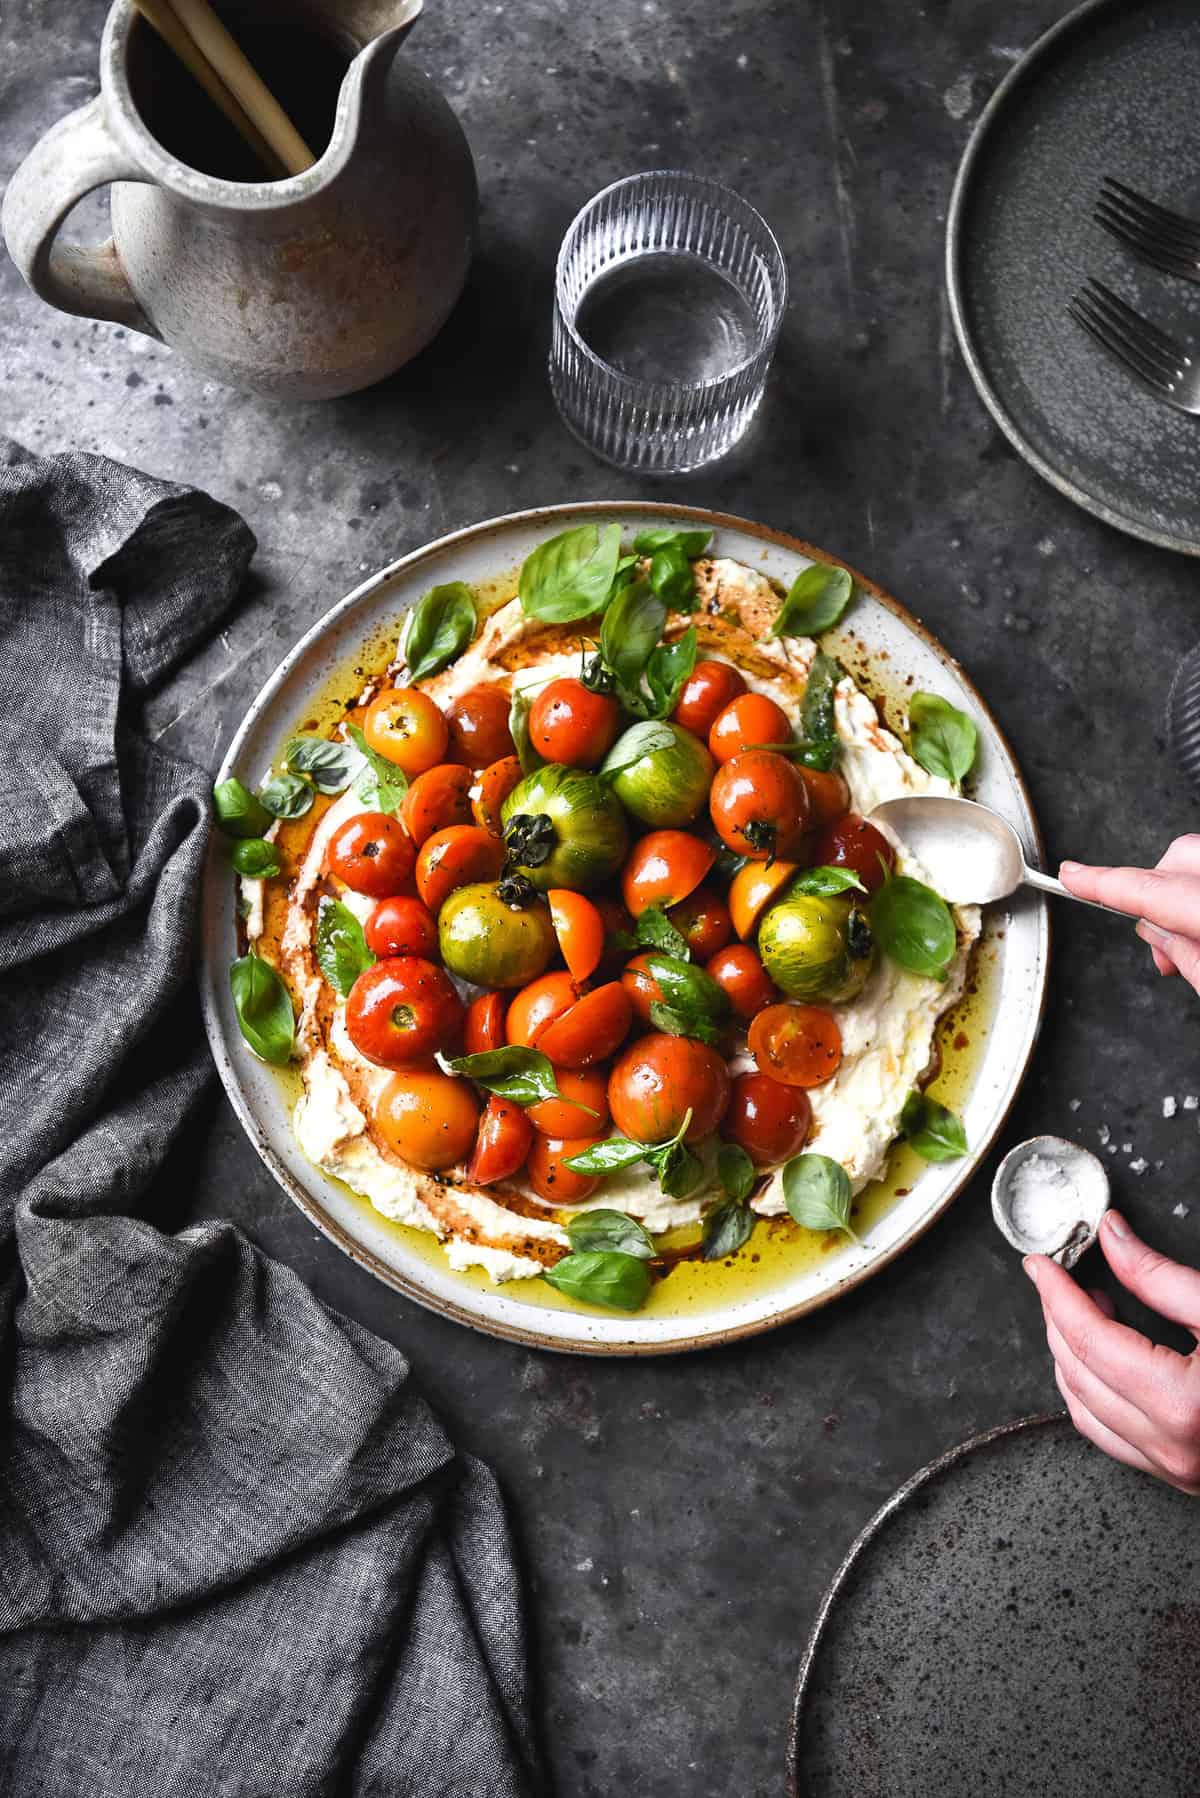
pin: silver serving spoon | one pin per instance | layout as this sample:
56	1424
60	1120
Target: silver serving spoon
970	853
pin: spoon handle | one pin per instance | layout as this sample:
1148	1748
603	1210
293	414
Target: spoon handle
1046	883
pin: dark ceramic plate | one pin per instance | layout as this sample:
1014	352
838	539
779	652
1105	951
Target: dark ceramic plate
1112	89
1021	1618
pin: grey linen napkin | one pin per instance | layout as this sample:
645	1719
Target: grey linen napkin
237	1553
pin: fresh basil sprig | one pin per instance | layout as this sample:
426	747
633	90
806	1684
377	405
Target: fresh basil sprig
381	785
602	1277
817	1193
654	930
671	554
518	729
633	624
825	883
331	766
287	796
730	1224
914	926
255	858
735	1170
525	1076
693	1004
571	576
264	1009
674	1165
932	1129
815	602
943	739
341	948
604	1229
689	543
439	628
633	744
669	668
238	812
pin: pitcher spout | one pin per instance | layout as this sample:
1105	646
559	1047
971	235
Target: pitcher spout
367	72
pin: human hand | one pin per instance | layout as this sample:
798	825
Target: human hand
1166	899
1135	1399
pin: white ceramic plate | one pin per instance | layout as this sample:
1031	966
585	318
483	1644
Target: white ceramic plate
895	646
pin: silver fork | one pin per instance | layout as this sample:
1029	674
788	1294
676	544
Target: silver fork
1144	351
1167	240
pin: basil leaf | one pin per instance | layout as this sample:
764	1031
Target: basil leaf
669	667
633	624
817	711
255	858
691	543
727	1228
523	1075
439	628
571	575
943	739
914	926
624	570
601	1229
673	1022
264	1009
817	1192
381	785
287	796
671	577
815	602
607	1157
735	1171
330	766
934	1132
238	812
679	1170
824	883
602	1277
342	953
633	744
654	930
518	729
689	989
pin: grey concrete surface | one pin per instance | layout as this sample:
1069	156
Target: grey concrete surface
679	1518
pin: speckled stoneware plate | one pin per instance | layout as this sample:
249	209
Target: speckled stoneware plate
1110	90
878	636
1022	1617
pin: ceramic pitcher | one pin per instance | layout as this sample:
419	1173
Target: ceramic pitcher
302	287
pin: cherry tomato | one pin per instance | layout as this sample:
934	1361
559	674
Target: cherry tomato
705	693
427	1118
495	783
760	805
505	1136
371	853
752	718
403	724
589	1032
853	843
741	974
478	725
663	867
658	1080
559	1117
579	929
401	1010
618	925
798	1044
537	1005
752	889
569	723
703	921
641	986
401	926
828	796
771	1121
484	1027
437	799
457	857
557	1184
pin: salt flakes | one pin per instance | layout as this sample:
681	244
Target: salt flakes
1181	1210
1169	1106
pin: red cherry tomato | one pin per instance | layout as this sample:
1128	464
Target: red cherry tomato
557	1184
760	805
704	923
565	1117
403	724
658	1080
746	721
663	867
798	1044
478	724
853	843
437	799
427	1118
769	1120
505	1136
579	929
484	1027
401	1010
589	1032
495	783
569	723
828	796
706	692
457	857
738	970
537	1005
641	986
371	854
401	926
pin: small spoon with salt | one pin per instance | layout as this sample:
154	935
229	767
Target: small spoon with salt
1048	1198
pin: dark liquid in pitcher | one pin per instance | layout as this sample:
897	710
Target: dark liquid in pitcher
303	70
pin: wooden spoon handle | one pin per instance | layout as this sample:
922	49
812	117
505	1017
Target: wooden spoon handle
227	58
158	14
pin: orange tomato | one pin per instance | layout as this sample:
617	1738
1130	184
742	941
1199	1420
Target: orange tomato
403	724
759	805
478	724
703	921
828	796
427	1118
564	1117
658	1080
663	867
579	929
557	1184
801	1045
752	889
436	799
641	986
456	857
504	1140
484	1026
705	693
589	1032
537	1005
748	720
740	973
495	783
771	1121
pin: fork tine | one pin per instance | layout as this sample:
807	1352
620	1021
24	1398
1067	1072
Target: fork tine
1117	348
1128	342
1177	242
1149	249
1154	344
1177	223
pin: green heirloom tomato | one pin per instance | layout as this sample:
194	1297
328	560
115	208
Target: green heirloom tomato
564	828
492	943
816	948
667	782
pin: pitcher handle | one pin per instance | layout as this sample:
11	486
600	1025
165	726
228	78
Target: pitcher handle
76	155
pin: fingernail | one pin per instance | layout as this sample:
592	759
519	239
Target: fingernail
1069	867
1150	933
1117	1225
1030	1266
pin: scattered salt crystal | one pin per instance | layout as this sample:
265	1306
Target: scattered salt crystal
1181	1210
1169	1106
1127	1148
1105	1134
1075	1104
1139	1166
1192	1102
1111	1147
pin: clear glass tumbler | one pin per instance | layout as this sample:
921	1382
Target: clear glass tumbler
668	298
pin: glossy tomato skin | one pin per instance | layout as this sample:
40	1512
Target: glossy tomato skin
569	723
853	843
401	1010
740	973
437	799
618	926
478	724
760	805
484	1026
828	796
579	928
641	986
486	939
401	926
707	691
537	1005
704	923
658	1079
404	725
664	867
503	1142
800	1045
767	1119
750	719
427	1118
559	1117
371	853
463	855
557	1184
595	1026
752	889
495	783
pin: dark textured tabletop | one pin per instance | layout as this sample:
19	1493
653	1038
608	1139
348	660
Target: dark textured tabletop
680	1518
